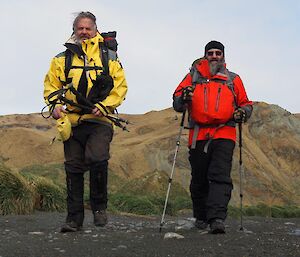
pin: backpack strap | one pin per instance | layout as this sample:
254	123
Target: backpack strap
230	84
68	64
108	51
105	57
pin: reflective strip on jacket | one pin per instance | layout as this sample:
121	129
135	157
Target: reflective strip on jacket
55	79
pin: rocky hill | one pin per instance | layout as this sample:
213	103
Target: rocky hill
271	151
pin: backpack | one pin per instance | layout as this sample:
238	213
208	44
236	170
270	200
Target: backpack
213	104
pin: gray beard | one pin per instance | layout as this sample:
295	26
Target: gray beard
78	41
214	68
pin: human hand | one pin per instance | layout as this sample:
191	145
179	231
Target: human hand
187	94
58	112
239	115
97	112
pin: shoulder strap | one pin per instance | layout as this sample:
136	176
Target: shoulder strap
108	51
68	64
104	57
230	84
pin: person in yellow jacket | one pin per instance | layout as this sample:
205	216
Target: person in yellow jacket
86	145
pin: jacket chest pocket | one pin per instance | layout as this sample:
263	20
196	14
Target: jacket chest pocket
215	101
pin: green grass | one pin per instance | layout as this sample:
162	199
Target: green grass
146	204
16	194
54	172
263	210
50	197
43	188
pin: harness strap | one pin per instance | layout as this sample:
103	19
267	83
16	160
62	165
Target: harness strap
88	68
194	139
105	55
205	149
197	128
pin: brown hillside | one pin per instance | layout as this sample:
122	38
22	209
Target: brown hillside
271	150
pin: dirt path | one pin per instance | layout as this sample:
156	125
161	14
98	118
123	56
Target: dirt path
38	235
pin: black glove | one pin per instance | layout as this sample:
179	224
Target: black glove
239	115
187	94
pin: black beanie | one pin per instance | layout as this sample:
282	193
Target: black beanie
214	45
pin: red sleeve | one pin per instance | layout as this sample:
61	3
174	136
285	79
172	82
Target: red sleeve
187	81
241	95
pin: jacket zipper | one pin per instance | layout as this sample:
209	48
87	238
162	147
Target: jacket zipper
218	99
205	98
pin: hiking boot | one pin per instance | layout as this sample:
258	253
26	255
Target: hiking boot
201	224
70	227
217	227
100	218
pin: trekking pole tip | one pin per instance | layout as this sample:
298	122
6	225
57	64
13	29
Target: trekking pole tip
161	226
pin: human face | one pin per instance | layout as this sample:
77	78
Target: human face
215	58
214	55
85	29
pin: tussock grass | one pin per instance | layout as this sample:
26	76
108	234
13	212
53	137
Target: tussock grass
40	188
16	194
50	197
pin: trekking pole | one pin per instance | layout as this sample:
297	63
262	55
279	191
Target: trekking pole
87	105
241	176
173	168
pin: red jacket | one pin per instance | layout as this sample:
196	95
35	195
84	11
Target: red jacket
211	84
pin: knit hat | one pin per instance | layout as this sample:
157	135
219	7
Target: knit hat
214	45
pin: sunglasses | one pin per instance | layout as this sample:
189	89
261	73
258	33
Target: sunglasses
211	53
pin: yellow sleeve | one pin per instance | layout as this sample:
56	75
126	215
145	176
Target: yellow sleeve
54	77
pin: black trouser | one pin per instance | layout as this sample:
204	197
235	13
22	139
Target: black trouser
87	149
211	184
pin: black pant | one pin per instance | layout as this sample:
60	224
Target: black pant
211	184
75	192
87	149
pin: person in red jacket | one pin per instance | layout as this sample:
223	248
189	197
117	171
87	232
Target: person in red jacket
216	100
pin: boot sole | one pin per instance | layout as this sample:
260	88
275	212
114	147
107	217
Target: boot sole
217	231
67	229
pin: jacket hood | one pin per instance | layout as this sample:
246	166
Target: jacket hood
72	44
202	65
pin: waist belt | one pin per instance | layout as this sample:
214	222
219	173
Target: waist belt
197	127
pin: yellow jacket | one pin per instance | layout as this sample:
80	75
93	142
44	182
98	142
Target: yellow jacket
55	79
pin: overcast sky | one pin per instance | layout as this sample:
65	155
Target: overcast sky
158	41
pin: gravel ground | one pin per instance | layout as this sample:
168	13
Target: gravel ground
38	235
